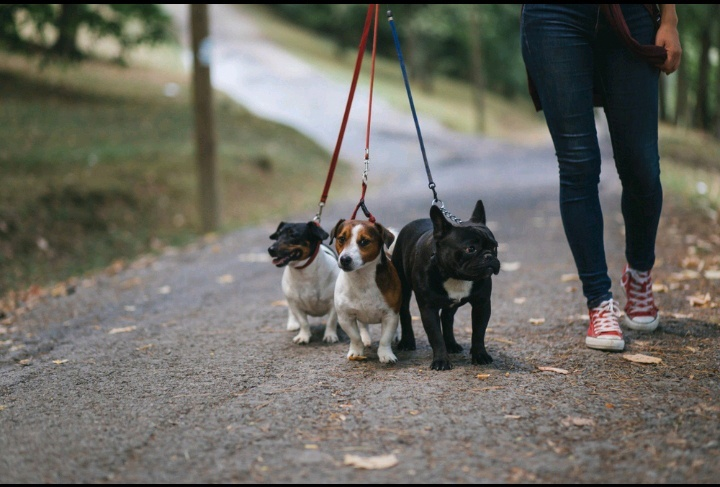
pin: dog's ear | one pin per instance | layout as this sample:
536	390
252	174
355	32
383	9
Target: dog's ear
317	231
334	232
441	225
478	215
274	236
386	235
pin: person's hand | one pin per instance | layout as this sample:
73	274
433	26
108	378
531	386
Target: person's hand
668	37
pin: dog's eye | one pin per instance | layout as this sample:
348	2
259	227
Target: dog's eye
470	249
363	242
341	240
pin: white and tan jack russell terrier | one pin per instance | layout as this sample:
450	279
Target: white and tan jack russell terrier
368	290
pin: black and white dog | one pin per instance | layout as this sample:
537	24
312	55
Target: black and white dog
308	280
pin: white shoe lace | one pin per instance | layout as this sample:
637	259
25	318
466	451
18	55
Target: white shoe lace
638	288
606	317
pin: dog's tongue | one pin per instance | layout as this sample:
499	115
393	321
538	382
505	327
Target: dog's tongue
280	261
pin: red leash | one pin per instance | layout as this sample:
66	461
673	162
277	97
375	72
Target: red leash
361	203
358	64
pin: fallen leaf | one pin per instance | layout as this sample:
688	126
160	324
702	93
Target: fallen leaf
510	266
642	359
574	421
712	274
25	361
699	299
225	279
502	340
130	283
281	302
519	300
536	321
2	408
371	463
357	358
569	277
553	369
414	412
144	347
512	416
122	330
311	447
483	376
164	290
685	275
59	362
659	288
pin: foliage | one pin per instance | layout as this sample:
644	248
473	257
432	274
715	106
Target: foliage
435	40
70	31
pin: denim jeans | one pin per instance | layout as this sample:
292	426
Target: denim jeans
570	51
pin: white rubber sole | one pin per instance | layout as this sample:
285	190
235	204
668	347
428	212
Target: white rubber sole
609	344
635	325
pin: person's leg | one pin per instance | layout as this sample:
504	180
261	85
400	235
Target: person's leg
557	47
630	87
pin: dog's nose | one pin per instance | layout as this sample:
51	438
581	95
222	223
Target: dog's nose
345	261
271	251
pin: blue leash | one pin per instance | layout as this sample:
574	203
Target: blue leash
431	184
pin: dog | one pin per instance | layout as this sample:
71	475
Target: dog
308	280
446	265
368	289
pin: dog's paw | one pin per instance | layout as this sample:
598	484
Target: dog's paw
441	364
356	352
302	338
406	345
293	326
482	358
386	356
330	338
453	347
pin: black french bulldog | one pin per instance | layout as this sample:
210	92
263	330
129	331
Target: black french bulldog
447	265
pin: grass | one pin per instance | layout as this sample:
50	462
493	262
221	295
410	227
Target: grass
98	164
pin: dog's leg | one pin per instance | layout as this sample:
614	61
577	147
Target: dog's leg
407	339
447	317
331	327
301	319
431	322
389	329
292	323
365	333
350	327
480	319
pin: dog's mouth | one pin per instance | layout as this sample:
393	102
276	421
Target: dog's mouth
282	261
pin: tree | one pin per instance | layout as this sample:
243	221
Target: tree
54	30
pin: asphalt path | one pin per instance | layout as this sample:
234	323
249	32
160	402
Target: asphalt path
178	368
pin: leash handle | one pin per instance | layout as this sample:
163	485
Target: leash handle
348	105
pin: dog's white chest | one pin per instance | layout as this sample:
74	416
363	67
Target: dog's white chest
357	295
312	288
457	289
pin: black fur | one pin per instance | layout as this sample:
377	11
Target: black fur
427	253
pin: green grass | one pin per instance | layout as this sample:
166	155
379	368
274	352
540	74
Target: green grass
98	165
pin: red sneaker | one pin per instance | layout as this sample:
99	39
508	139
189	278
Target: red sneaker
640	310
604	332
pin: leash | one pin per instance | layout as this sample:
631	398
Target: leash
361	203
338	144
431	183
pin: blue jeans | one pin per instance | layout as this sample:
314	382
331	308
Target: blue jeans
569	50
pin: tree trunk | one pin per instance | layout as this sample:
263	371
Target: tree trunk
701	117
681	97
68	23
204	122
478	75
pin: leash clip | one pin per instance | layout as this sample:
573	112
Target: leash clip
316	219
